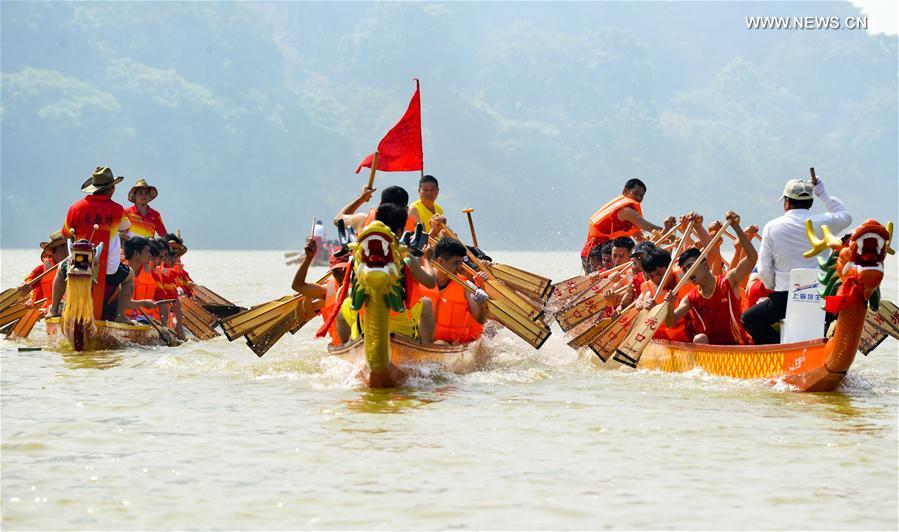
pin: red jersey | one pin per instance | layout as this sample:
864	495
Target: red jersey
718	316
108	215
145	226
44	289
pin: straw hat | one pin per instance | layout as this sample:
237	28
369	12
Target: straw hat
142	183
56	240
101	179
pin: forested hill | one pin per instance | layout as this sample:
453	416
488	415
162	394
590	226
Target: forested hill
250	118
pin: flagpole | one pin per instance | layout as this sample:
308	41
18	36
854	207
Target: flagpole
374	168
420	130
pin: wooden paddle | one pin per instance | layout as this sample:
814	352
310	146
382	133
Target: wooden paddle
570	317
474	237
11	296
872	336
632	347
22	328
523	281
608	339
886	317
198	320
164	334
534	333
570	291
257	319
588	331
494	288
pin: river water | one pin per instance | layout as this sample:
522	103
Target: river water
207	435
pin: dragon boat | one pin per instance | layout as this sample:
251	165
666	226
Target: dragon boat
850	280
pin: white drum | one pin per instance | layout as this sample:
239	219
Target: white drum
805	307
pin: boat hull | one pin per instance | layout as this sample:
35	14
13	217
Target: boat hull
801	364
405	352
109	334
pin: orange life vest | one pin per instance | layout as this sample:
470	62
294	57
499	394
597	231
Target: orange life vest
454	322
605	225
145	288
330	301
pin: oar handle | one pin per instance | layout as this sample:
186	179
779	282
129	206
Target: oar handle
715	239
678	250
471	255
474	237
38	278
453	277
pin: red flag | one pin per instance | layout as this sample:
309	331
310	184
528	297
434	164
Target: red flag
400	149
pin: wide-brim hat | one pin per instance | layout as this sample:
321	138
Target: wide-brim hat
142	183
101	179
55	240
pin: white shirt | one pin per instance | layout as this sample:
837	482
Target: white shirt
784	240
114	256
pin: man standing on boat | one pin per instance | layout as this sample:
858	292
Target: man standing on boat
100	220
426	207
783	242
145	221
622	216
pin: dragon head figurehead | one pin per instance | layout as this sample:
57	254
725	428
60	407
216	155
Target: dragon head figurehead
855	264
377	263
81	258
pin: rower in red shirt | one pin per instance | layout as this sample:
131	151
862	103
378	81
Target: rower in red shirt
53	252
714	303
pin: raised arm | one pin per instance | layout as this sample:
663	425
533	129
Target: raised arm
837	217
747	262
310	290
348	212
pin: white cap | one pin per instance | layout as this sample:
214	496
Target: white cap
797	189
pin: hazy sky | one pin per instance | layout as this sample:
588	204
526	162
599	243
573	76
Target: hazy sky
251	117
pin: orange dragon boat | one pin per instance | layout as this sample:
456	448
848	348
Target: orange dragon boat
850	279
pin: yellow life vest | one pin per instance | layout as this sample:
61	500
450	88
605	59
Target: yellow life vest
424	215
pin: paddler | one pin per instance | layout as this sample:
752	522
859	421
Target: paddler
714	303
426	207
145	220
418	321
315	295
622	216
654	264
137	255
53	252
783	242
98	209
459	314
358	221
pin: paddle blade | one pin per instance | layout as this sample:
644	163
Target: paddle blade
630	349
605	344
23	327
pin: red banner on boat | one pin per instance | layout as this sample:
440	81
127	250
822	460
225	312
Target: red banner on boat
400	149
